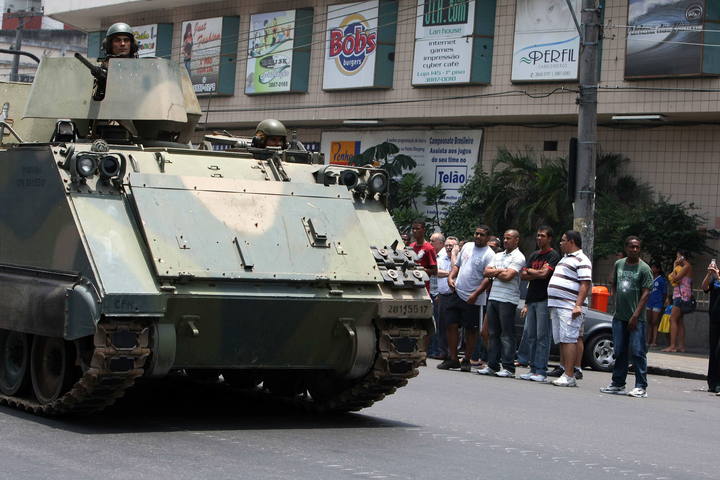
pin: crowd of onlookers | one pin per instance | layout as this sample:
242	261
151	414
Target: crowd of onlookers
475	287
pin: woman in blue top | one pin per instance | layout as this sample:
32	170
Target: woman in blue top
656	303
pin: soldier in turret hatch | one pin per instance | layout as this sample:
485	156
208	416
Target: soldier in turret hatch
120	42
270	133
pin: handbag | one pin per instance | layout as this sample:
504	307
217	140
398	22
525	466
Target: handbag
664	326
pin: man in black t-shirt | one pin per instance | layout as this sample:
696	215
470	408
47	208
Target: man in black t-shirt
538	270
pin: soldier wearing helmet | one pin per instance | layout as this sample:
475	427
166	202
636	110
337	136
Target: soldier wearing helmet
120	42
270	133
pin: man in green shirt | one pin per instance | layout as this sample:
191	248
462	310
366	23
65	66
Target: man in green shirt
632	280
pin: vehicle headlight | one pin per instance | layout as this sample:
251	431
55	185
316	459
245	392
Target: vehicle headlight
378	183
86	166
109	166
349	178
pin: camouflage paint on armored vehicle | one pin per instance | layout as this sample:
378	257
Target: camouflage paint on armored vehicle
125	254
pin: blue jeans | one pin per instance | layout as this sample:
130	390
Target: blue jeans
539	331
629	344
523	351
501	324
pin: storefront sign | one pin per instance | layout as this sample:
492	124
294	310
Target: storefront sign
146	36
279	52
203	44
443	42
547	43
269	62
665	38
352	45
443	157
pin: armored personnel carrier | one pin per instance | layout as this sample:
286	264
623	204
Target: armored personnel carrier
125	254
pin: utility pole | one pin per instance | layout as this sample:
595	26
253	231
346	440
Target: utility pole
20	15
584	210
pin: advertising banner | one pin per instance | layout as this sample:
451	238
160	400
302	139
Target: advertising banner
547	43
443	42
270	52
443	157
664	38
200	49
351	45
146	36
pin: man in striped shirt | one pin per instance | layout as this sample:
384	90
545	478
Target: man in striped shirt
567	301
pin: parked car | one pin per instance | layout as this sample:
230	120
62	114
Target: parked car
597	337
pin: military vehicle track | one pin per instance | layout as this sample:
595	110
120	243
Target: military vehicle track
395	363
104	380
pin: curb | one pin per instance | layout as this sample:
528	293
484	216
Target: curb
669	372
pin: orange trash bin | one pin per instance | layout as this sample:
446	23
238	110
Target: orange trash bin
600	298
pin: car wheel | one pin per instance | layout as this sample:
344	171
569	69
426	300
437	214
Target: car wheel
599	352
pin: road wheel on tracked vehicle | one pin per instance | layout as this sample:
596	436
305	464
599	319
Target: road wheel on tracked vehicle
52	368
15	351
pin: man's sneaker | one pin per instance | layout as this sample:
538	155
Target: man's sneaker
448	364
526	376
486	371
565	381
556	372
637	392
465	365
505	373
538	378
578	374
614	390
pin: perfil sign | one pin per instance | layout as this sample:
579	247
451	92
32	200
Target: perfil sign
443	42
146	36
547	43
270	52
443	157
351	45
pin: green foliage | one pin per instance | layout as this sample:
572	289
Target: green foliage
523	192
663	227
520	192
403	218
435	196
410	187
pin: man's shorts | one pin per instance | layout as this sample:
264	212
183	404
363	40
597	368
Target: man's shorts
565	328
457	310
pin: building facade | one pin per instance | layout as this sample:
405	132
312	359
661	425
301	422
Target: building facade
495	73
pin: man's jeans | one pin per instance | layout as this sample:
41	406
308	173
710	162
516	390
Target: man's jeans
629	345
539	331
523	351
501	324
438	341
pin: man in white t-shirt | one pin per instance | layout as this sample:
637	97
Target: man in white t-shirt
502	304
464	307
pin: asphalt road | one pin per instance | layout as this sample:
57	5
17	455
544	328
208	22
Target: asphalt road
444	425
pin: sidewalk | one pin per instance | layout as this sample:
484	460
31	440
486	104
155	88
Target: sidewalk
683	365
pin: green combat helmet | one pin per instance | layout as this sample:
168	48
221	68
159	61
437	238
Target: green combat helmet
270	133
118	29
